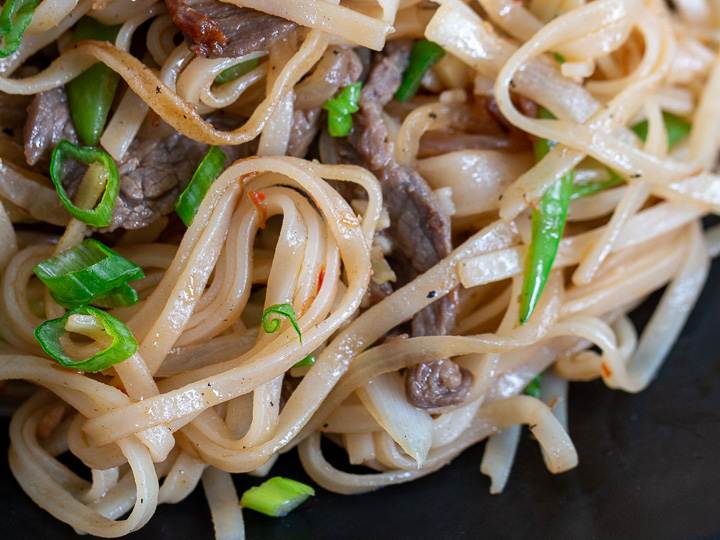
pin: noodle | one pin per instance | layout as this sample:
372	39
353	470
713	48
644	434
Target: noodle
395	267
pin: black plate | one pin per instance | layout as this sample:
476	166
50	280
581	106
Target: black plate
648	468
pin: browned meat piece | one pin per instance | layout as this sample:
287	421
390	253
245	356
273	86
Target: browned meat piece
304	127
158	164
220	30
48	122
437	384
418	225
419	228
152	176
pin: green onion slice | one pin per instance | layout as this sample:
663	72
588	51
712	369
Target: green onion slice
273	325
236	71
123	344
533	387
340	109
309	360
559	58
122	296
548	223
277	496
101	215
15	17
590	188
90	272
209	169
91	93
677	128
424	55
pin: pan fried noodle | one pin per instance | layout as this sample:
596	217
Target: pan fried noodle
403	247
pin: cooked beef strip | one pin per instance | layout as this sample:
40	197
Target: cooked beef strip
220	30
157	166
48	122
419	228
305	126
152	175
437	384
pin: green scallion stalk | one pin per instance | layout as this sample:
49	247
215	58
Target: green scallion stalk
209	169
424	55
584	190
548	223
277	496
15	17
91	93
533	387
340	109
101	215
309	360
122	296
236	71
677	128
273	325
123	344
88	273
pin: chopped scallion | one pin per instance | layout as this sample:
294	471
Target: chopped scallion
236	71
533	387
15	17
590	188
309	360
559	58
209	169
677	128
277	496
424	55
108	174
273	325
89	273
91	93
548	223
123	344
340	109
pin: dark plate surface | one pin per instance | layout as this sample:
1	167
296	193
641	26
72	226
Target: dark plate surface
648	468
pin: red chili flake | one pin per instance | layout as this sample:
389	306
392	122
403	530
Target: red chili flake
258	199
553	401
115	383
606	370
154	118
321	278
